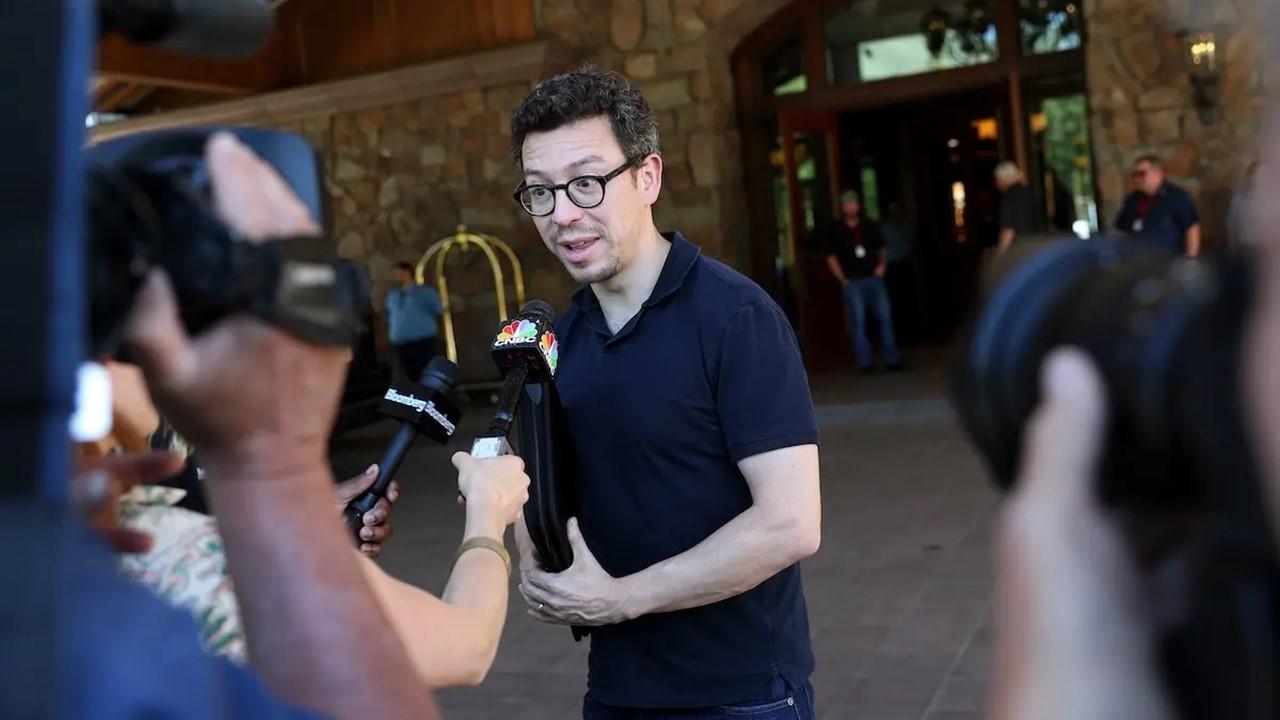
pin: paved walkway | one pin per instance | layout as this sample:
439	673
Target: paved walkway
899	595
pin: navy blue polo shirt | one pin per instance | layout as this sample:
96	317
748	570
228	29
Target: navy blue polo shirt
708	373
1161	221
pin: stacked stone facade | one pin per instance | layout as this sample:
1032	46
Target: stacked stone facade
405	175
1141	97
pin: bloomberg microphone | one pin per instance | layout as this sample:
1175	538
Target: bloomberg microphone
527	353
423	408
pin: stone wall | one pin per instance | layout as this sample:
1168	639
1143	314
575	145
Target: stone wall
677	52
1140	95
405	175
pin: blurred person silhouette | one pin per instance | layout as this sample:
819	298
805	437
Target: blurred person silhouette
178	554
1017	215
257	404
412	310
1240	217
1159	213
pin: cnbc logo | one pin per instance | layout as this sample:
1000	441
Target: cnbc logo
550	350
517	332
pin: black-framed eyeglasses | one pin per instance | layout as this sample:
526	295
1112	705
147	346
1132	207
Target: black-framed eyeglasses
585	191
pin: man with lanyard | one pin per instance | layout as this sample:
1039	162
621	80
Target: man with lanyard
857	260
411	321
693	430
1159	213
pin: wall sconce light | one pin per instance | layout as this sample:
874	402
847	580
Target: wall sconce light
1203	63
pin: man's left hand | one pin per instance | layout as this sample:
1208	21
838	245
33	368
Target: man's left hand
377	522
880	270
583	595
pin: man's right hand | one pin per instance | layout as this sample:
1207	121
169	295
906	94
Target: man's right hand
242	391
497	487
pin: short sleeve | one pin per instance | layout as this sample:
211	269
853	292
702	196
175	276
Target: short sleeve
429	299
831	239
762	393
1124	221
876	238
1186	215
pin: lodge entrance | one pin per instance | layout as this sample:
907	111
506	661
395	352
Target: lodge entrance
911	103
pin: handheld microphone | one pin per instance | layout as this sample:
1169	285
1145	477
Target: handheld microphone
208	28
527	353
423	408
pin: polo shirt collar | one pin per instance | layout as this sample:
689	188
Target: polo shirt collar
680	260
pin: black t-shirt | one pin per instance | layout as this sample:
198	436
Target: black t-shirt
858	249
1015	210
660	414
1161	221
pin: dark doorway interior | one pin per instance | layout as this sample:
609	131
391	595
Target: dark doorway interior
924	169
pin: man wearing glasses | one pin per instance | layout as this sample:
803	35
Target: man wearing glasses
693	429
1158	212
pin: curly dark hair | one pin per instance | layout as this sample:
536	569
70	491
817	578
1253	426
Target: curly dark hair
588	92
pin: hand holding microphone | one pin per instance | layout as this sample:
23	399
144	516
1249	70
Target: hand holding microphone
423	408
496	490
527	353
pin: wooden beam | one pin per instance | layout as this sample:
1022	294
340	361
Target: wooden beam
118	97
861	96
527	63
112	96
120	61
791	19
1009	31
815	51
1056	64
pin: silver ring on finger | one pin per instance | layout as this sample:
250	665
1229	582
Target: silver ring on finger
540	606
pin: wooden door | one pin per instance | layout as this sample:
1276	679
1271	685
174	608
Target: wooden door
811	157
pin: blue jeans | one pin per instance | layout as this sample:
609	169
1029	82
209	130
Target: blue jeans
791	705
860	296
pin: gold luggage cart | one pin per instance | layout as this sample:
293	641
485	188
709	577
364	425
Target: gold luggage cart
492	247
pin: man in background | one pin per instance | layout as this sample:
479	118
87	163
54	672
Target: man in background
412	310
1159	213
858	260
1016	215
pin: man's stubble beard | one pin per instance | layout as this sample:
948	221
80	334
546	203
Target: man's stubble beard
590	276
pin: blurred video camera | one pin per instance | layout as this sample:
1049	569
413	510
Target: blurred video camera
151	205
1166	335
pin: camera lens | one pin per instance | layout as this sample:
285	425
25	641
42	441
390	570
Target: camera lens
995	386
1149	321
121	220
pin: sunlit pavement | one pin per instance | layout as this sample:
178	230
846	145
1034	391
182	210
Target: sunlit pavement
899	596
